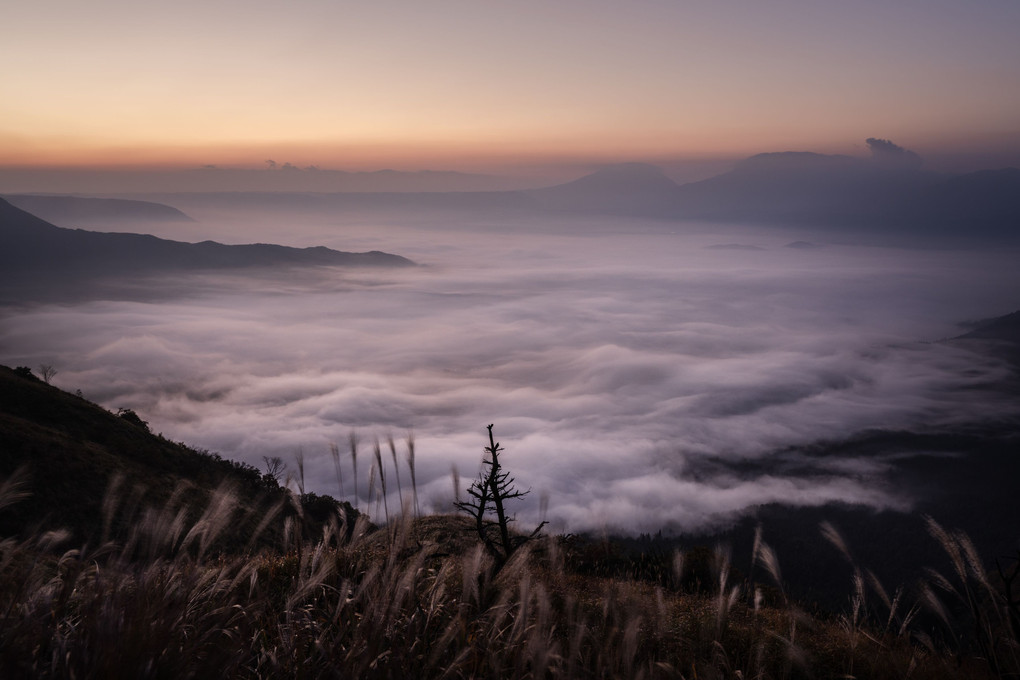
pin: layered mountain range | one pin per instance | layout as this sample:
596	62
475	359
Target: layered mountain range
889	193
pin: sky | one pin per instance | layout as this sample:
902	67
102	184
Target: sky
480	85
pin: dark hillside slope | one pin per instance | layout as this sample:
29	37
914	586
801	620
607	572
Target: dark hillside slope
72	449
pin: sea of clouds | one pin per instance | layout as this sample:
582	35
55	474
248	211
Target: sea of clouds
632	370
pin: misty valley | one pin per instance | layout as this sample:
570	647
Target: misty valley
666	379
651	374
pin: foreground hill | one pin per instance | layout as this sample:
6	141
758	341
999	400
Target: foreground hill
419	599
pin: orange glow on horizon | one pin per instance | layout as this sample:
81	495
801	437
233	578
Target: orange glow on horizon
452	155
409	155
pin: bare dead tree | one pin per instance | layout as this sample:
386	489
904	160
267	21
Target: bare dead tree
488	496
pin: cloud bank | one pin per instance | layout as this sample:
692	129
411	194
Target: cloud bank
631	376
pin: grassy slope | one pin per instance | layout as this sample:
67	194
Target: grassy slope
73	449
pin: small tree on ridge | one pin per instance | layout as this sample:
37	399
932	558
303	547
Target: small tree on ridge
47	372
488	496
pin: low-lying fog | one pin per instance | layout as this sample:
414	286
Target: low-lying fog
614	357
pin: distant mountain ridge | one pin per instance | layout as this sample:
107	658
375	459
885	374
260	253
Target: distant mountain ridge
863	194
39	260
280	177
888	193
799	188
79	211
28	242
626	188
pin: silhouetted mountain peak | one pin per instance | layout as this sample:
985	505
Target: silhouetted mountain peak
793	160
885	157
887	195
633	188
626	177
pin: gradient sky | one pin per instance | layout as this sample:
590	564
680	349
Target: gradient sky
452	84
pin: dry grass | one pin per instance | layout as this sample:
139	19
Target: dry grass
420	599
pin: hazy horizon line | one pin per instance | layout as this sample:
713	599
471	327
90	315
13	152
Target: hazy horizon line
512	164
454	172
